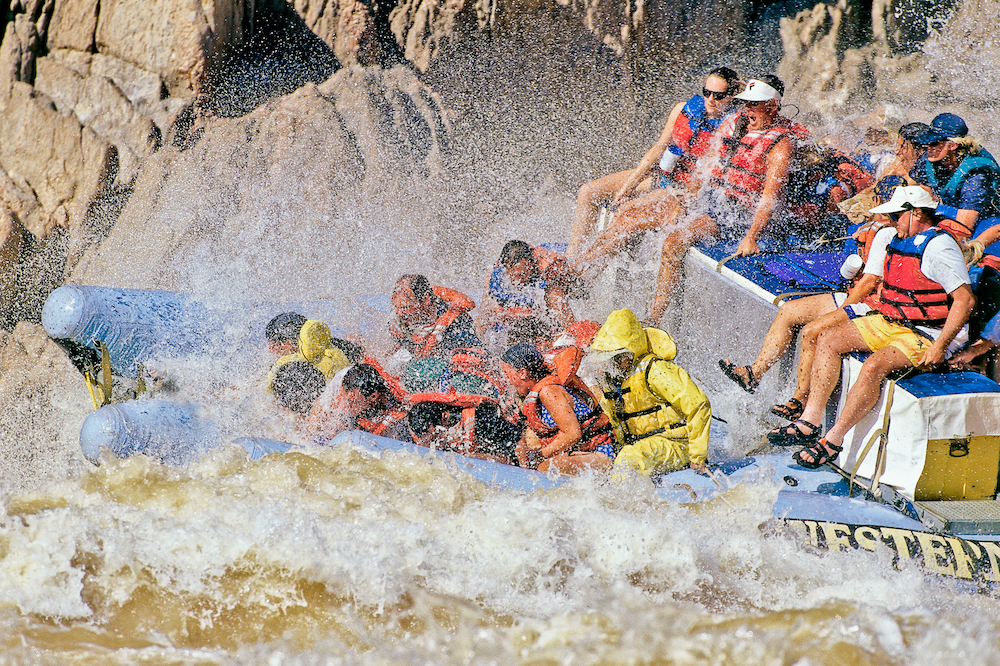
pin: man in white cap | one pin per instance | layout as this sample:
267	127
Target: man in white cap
925	302
748	181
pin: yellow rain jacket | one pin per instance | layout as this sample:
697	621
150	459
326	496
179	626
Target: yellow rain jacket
315	346
661	417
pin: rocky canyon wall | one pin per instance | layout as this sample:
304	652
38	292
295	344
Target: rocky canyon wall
843	58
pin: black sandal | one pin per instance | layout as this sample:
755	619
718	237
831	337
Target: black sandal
782	437
791	410
821	453
748	384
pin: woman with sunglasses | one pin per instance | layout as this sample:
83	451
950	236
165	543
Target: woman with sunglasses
685	137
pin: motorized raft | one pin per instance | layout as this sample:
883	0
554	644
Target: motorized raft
918	475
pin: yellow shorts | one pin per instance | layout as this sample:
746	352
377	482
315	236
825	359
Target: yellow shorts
878	332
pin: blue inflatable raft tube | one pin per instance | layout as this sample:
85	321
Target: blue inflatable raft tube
137	325
134	324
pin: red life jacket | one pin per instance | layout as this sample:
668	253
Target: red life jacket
382	423
461	436
595	427
907	295
692	133
743	168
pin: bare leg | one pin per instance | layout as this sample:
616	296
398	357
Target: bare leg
866	389
649	211
832	342
589	199
791	315
675	246
807	348
569	465
864	393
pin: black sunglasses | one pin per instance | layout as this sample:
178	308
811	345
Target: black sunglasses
895	216
717	94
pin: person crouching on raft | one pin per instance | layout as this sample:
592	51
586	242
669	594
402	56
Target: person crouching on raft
567	430
659	414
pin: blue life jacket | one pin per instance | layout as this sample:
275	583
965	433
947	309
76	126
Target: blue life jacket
983	163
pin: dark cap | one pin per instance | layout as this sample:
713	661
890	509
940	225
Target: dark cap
886	185
944	126
284	327
912	132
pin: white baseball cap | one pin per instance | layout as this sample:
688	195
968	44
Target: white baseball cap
906	198
758	91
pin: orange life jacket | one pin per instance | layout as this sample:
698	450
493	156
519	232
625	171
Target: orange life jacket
426	338
383	422
596	427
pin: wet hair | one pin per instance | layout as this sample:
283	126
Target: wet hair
528	330
366	379
297	385
426	415
514	251
912	131
774	82
731	78
354	352
886	185
285	327
525	357
418	284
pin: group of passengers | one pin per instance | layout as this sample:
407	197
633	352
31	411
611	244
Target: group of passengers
728	167
506	386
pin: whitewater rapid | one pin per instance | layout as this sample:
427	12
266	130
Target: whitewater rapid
332	555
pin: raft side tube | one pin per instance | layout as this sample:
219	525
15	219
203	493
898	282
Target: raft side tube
170	432
134	324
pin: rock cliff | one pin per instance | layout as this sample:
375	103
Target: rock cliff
842	58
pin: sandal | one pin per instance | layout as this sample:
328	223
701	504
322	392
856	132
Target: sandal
821	453
790	410
792	435
748	383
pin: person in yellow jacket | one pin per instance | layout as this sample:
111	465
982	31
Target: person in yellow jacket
660	416
312	342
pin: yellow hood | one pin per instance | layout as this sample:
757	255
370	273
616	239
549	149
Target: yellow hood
314	339
622	330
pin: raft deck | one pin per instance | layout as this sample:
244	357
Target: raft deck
941	452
